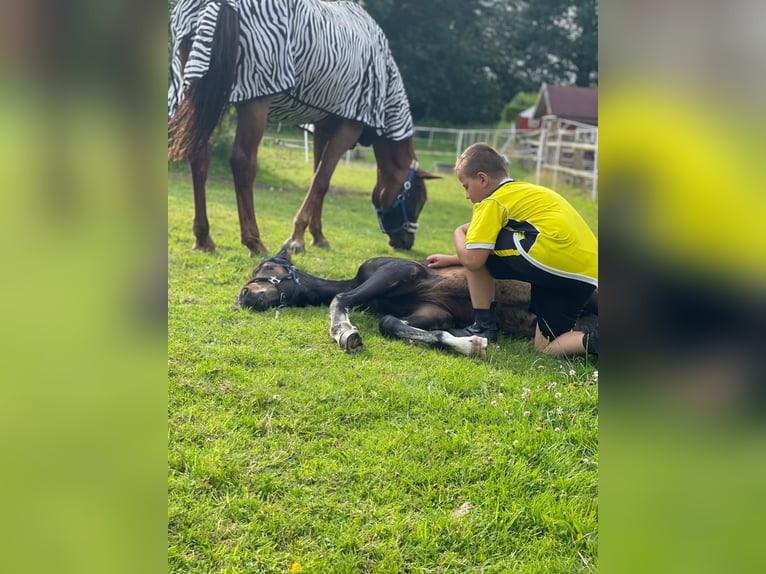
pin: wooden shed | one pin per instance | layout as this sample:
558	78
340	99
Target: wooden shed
574	103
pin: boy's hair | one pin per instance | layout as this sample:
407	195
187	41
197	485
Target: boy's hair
481	157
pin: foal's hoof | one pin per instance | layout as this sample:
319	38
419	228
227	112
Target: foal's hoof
478	347
351	341
473	346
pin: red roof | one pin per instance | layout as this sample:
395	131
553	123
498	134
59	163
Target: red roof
569	102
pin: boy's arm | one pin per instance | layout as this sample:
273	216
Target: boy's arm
471	259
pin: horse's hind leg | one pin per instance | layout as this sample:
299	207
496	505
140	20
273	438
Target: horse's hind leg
199	163
251	124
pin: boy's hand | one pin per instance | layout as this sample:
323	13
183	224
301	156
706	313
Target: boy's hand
441	260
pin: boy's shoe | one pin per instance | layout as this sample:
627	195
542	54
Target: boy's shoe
590	341
485	325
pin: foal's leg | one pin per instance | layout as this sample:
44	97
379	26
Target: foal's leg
332	138
199	163
251	123
389	278
473	346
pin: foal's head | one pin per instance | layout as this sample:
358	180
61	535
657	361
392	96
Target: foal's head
274	283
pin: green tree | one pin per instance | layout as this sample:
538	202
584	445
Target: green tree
585	46
555	41
462	60
442	51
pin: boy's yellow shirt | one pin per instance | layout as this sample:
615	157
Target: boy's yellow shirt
547	230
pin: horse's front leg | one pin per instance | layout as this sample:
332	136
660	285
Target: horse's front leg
199	163
310	214
251	124
332	138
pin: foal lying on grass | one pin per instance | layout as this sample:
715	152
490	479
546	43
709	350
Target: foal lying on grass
413	301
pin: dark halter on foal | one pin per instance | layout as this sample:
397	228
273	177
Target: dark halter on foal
395	218
291	274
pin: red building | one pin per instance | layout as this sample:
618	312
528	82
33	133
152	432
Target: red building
526	120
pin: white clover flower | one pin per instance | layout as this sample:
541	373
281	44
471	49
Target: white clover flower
557	395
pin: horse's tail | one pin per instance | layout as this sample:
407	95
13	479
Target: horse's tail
208	77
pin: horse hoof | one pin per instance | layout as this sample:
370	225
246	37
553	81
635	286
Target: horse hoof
293	247
351	341
322	244
257	249
206	245
478	347
473	346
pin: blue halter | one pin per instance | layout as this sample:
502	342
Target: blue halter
394	218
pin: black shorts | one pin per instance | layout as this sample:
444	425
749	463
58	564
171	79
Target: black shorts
557	301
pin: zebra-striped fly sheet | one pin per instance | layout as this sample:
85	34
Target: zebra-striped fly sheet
316	57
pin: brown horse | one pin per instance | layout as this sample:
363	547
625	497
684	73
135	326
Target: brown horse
275	59
412	300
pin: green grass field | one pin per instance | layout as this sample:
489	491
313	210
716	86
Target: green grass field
286	454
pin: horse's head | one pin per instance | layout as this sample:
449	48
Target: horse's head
275	282
398	206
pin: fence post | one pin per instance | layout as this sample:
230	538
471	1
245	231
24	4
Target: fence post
540	147
557	155
594	190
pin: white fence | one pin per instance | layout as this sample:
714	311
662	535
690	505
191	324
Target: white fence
437	140
560	150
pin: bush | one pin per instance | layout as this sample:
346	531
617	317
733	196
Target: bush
520	102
